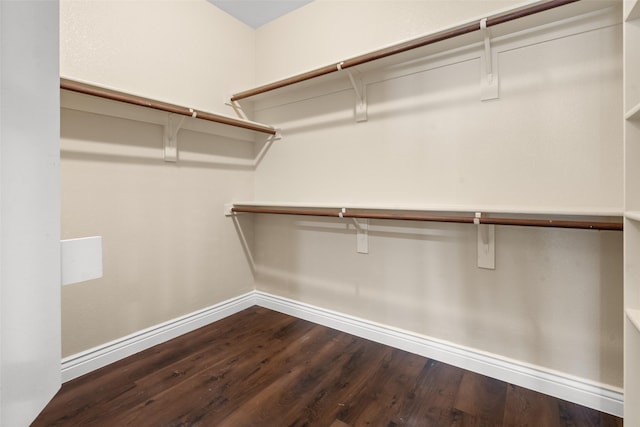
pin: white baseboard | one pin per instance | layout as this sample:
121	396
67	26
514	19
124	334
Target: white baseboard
97	357
602	397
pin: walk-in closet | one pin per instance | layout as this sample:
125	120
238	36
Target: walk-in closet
452	180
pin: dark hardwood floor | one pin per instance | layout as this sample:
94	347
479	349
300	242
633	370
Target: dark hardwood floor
263	368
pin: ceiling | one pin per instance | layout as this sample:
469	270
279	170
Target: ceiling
256	13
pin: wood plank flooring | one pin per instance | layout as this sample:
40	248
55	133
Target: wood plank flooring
263	368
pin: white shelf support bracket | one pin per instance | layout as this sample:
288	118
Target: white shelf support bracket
174	122
362	235
486	244
489	81
360	89
237	108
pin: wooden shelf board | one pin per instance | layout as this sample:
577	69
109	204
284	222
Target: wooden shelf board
489	209
495	217
83	96
106	107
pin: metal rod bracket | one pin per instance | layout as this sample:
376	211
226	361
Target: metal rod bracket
171	128
487	246
489	88
360	89
362	235
486	243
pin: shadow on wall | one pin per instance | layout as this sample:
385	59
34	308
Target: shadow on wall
91	137
611	295
243	225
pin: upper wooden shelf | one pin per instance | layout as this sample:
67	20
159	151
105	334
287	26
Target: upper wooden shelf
507	22
81	96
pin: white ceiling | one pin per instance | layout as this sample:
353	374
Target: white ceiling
256	13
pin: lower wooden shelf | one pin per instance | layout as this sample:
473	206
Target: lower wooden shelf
468	216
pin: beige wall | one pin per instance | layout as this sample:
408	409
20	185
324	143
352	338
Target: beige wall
552	142
183	51
168	250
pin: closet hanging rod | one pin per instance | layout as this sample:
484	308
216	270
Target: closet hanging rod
403	47
115	95
552	221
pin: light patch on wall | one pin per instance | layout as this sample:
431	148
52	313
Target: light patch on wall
81	259
256	13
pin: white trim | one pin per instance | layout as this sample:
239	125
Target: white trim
594	395
601	397
102	355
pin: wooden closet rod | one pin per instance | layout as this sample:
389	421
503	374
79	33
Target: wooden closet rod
403	47
355	213
115	95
